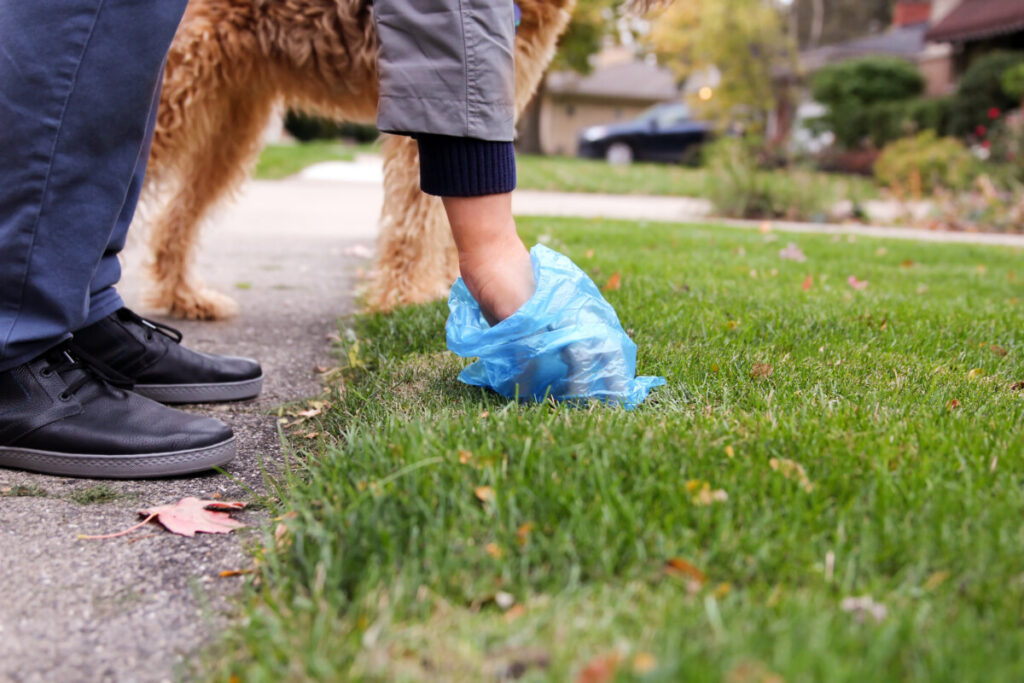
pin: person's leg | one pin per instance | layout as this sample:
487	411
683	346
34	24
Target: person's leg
495	264
447	77
77	82
77	78
103	297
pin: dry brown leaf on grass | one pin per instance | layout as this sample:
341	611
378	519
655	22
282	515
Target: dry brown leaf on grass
484	494
997	349
677	566
791	469
864	607
600	669
188	517
644	663
761	371
859	285
752	672
701	493
792	252
613	283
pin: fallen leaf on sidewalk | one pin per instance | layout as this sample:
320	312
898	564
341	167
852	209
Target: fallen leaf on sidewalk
227	573
191	515
187	517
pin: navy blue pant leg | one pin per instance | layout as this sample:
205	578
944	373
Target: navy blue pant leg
78	81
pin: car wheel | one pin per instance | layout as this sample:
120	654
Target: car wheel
619	154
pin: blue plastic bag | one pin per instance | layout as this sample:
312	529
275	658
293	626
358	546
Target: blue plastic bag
565	342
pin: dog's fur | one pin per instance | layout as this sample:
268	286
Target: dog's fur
231	64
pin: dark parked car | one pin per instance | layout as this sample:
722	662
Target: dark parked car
665	132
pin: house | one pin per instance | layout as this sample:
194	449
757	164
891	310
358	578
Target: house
618	89
905	39
974	27
942	37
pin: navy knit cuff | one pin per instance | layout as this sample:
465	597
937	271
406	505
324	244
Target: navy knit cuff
465	167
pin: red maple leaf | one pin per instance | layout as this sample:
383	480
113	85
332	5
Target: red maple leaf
187	517
191	515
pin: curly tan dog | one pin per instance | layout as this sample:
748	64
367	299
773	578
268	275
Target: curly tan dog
231	64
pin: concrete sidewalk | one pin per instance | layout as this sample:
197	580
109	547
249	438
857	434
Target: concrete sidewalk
137	608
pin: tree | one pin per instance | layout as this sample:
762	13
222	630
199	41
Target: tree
593	22
745	40
822	22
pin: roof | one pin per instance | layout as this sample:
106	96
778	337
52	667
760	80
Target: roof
978	19
634	80
904	41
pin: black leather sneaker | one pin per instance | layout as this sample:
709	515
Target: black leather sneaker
151	356
62	415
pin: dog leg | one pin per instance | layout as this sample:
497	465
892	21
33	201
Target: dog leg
416	257
212	162
212	114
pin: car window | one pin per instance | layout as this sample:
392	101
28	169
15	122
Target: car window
654	113
673	116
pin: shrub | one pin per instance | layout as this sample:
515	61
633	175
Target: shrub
739	188
1012	81
889	121
851	87
985	208
925	163
981	91
1007	147
304	128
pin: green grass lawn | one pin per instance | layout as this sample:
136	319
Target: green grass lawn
568	174
281	161
812	445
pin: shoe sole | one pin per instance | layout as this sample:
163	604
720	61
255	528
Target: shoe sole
201	393
133	466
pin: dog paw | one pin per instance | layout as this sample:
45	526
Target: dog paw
205	304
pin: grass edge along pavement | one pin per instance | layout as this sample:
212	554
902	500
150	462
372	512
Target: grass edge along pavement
567	174
829	488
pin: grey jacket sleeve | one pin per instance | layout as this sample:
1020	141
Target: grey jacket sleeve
446	67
